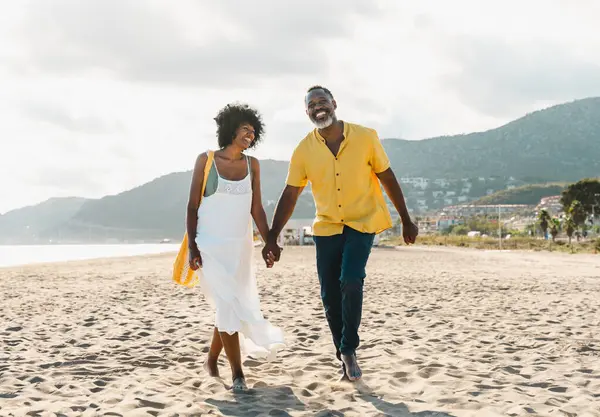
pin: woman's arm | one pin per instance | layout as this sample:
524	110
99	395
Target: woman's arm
257	210
194	199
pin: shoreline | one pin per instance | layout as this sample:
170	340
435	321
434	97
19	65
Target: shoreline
383	247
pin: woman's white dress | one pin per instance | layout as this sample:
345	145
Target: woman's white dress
227	277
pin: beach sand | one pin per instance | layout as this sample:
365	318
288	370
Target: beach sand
445	332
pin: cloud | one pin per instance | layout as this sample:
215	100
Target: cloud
58	116
231	43
502	78
104	95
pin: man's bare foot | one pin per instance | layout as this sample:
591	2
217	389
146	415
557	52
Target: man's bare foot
211	367
344	377
352	369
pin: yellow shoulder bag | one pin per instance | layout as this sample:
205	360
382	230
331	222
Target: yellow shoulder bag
182	273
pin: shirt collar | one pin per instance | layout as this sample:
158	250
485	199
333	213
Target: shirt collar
322	139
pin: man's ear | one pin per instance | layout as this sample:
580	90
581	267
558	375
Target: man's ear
334	104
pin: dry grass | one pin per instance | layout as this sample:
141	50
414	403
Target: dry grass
514	243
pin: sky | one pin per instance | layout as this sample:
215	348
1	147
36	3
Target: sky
100	96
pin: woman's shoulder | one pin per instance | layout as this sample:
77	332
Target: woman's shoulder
203	157
201	161
253	161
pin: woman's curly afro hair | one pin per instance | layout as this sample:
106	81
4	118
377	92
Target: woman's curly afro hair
231	117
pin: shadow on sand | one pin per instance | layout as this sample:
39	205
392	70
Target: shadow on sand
272	401
280	400
399	409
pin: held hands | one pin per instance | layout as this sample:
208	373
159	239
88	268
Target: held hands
271	253
410	231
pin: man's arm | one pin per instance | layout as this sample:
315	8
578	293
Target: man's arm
257	211
381	166
410	230
285	207
393	190
284	210
295	182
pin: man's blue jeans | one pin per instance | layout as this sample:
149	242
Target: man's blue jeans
341	263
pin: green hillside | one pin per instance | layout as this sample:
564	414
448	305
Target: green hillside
561	143
27	223
527	194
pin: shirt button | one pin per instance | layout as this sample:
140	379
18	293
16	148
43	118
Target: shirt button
339	205
342	220
338	189
337	175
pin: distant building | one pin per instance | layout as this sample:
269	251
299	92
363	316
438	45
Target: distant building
445	221
296	231
442	182
478	210
427	225
417	182
551	204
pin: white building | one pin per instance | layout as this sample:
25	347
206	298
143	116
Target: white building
417	182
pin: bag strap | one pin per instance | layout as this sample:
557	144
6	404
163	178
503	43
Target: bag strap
207	167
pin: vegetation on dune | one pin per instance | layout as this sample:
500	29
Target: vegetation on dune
526	194
514	243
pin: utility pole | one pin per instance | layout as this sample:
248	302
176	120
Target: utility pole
499	229
593	209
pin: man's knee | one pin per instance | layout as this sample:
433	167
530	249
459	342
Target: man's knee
352	283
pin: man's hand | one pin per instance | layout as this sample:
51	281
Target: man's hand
195	259
410	232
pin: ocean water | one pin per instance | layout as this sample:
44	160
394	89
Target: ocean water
25	254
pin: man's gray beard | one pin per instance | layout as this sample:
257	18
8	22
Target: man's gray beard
324	124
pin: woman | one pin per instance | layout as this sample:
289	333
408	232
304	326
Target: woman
223	246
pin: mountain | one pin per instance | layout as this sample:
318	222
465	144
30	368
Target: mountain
560	143
24	224
557	144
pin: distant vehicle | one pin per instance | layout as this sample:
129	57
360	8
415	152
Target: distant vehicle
165	241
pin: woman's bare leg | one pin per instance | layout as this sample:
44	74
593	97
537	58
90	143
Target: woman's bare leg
216	346
231	343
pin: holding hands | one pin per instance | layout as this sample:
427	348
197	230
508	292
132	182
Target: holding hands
271	253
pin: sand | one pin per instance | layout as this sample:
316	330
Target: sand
446	332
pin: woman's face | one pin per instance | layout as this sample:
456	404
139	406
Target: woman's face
244	136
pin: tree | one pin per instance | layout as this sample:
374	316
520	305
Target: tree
530	229
461	230
554	228
569	226
577	213
544	219
586	191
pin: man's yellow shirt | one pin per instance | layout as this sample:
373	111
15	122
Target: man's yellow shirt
345	187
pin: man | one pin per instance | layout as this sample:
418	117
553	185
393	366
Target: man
344	163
